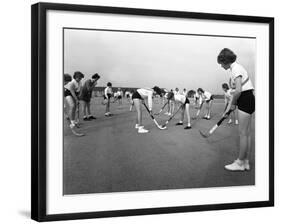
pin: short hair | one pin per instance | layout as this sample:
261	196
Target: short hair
191	93
95	76
109	84
226	56
157	90
78	75
170	95
200	90
225	86
67	77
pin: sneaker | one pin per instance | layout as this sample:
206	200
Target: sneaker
236	122
91	117
167	113
237	165
138	126
229	121
247	165
85	118
72	126
187	127
179	123
142	130
107	114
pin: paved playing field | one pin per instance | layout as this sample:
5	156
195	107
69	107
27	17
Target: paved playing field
113	157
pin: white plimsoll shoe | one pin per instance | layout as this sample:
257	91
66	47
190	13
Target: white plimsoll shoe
230	121
167	113
247	164
236	122
142	130
237	165
72	125
138	126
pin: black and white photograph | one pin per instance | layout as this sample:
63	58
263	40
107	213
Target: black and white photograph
157	111
149	111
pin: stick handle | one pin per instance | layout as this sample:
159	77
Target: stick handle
148	110
223	118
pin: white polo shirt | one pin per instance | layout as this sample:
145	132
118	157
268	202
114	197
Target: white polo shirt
73	84
180	98
206	95
238	70
107	90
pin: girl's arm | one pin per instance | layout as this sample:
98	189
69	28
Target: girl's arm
72	91
238	90
91	88
235	96
149	100
225	102
105	93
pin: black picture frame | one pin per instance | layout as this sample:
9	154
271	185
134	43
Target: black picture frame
38	109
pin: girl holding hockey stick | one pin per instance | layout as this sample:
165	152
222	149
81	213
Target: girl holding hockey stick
227	99
71	92
86	95
138	98
244	99
183	101
207	98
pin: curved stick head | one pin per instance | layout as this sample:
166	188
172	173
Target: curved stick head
162	127
203	134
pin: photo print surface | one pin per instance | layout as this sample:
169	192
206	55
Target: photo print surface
143	111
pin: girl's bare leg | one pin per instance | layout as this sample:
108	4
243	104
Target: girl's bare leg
187	114
244	134
137	103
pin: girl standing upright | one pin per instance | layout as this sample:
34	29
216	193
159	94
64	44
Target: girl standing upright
244	98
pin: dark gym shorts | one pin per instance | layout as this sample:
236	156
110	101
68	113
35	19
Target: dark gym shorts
108	95
246	102
136	95
186	101
67	92
211	98
119	97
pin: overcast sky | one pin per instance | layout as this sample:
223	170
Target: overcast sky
145	60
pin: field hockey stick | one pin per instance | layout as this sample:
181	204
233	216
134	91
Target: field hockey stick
152	117
211	131
162	108
75	132
170	118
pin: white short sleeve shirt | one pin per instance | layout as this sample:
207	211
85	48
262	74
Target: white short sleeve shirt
238	70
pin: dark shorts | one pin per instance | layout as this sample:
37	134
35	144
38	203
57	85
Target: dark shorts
136	95
67	92
246	102
108	95
211	98
119	97
186	101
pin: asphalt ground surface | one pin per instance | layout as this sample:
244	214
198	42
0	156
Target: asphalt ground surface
113	157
